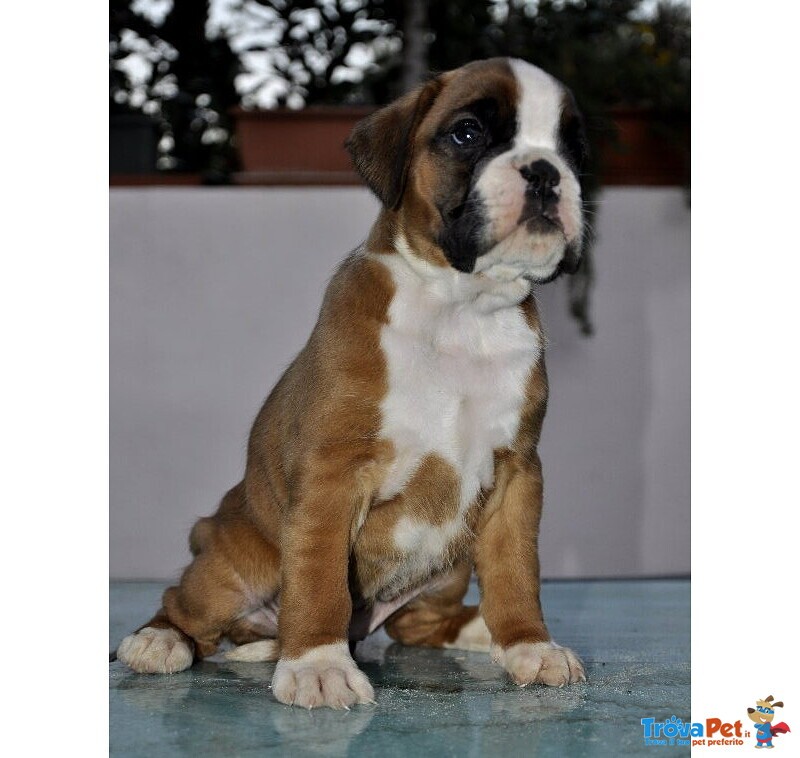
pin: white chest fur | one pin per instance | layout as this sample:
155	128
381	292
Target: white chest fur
458	351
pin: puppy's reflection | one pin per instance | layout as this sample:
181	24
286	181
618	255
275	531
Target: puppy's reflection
228	706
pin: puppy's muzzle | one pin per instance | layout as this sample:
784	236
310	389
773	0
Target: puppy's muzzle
541	196
542	178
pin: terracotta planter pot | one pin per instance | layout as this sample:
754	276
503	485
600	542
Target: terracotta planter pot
644	148
307	147
296	147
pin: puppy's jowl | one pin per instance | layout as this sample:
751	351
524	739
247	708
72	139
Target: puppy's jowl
398	451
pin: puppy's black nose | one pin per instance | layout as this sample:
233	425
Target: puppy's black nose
542	178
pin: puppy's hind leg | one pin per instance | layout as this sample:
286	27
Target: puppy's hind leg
234	566
194	617
438	618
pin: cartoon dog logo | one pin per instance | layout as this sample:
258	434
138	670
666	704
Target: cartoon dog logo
762	716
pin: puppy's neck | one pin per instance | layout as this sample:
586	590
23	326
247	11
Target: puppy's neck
487	291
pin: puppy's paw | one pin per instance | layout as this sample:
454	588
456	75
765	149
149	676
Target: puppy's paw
155	651
324	676
474	636
540	662
254	652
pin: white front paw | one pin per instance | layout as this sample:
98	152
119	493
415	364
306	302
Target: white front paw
325	675
540	662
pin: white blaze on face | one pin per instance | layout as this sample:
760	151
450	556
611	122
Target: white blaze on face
502	187
539	107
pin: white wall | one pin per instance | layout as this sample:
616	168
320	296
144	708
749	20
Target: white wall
213	291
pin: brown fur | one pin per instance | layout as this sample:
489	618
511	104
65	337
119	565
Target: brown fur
305	524
435	184
424	180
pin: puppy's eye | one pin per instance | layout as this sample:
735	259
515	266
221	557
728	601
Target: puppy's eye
467	133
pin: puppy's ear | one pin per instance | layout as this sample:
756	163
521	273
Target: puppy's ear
572	137
779	704
381	144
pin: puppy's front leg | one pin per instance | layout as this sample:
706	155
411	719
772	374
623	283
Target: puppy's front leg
316	668
507	562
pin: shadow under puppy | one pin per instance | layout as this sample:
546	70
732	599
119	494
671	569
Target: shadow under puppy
399	448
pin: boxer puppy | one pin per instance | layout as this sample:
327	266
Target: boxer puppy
398	451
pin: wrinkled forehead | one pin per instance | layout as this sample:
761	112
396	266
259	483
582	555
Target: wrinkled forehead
522	93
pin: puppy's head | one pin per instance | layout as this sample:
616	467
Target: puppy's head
480	167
